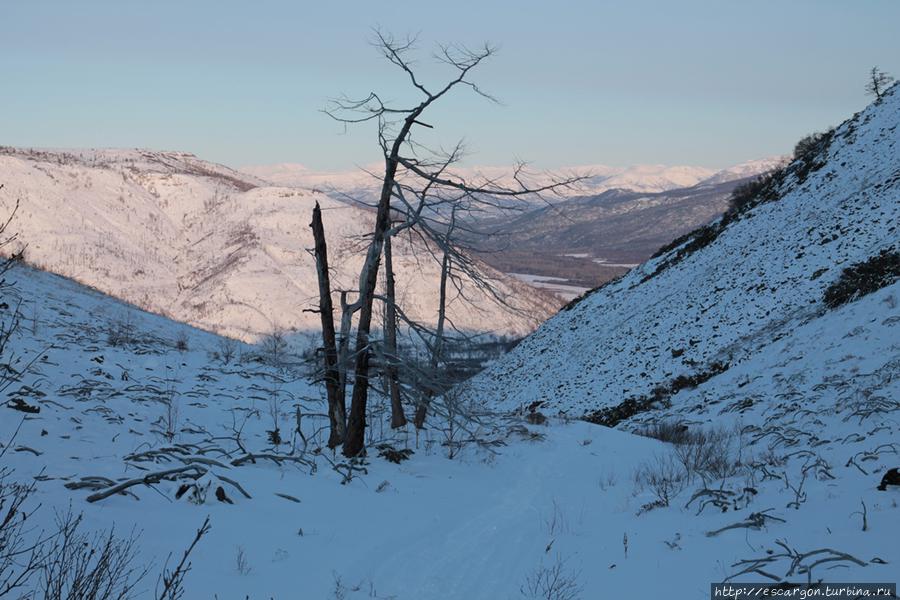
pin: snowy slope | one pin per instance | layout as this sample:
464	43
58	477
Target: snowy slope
209	246
759	280
479	526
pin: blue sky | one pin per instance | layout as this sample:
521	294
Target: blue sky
678	82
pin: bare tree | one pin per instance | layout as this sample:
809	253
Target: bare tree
418	182
398	417
438	345
335	395
878	82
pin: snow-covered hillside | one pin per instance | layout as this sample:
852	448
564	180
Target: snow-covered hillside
210	246
757	282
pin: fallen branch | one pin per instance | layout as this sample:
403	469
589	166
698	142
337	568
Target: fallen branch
147	479
756	520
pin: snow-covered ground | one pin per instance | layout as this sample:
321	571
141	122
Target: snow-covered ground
812	389
482	525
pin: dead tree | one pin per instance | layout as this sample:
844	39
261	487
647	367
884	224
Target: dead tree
411	167
879	81
336	407
438	346
398	417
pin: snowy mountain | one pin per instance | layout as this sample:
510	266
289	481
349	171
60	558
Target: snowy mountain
751	168
638	178
210	246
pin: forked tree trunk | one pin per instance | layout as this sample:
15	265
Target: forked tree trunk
336	409
398	418
354	441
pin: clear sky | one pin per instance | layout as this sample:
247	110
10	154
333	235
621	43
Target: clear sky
707	83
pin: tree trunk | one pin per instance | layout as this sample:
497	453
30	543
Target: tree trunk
344	343
422	409
336	407
398	418
356	425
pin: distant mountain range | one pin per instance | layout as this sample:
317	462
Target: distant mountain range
638	178
590	239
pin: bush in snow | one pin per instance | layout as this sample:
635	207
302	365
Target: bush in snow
181	342
65	563
863	278
810	153
670	432
121	331
709	454
750	193
227	350
551	582
274	347
664	477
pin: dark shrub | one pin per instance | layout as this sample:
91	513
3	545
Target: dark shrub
810	153
610	416
670	432
393	455
863	278
810	146
690	243
673	244
746	194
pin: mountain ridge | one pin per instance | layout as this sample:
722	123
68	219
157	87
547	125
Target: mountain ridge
211	246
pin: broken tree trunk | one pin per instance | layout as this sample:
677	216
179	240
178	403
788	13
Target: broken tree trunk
336	408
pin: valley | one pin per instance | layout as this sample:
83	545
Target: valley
240	369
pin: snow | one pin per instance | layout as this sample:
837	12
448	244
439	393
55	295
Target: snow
213	247
473	527
747	169
556	285
638	178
